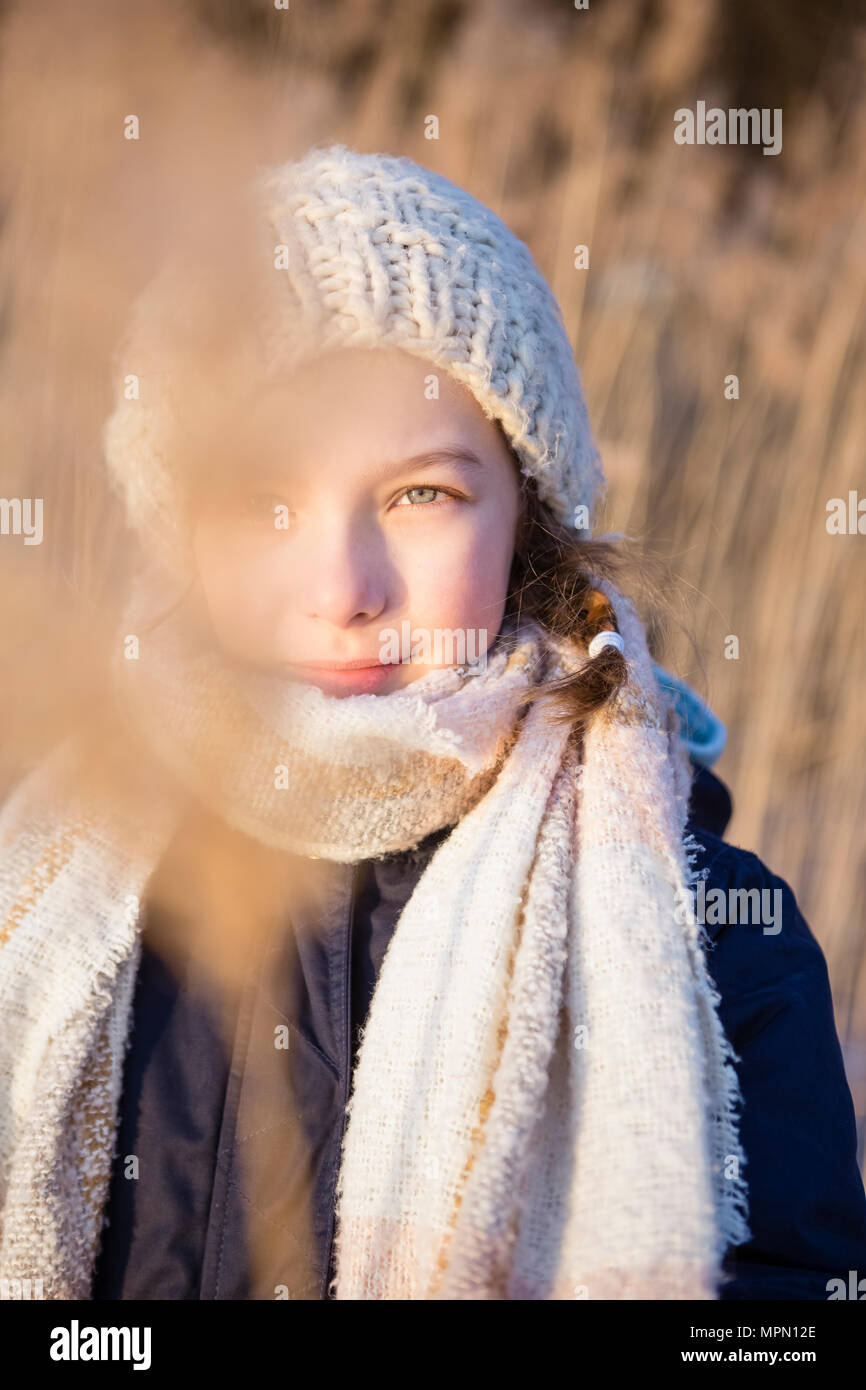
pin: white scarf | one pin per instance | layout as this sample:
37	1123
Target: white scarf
544	1103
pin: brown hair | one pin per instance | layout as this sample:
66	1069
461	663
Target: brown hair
553	579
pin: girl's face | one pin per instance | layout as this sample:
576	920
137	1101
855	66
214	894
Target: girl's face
364	524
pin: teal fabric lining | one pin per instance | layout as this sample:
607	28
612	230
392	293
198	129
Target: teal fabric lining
703	732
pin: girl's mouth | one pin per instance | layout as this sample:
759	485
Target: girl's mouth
345	680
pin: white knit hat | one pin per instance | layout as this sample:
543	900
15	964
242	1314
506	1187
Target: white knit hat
362	250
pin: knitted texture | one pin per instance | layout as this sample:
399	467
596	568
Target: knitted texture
544	1103
72	866
362	250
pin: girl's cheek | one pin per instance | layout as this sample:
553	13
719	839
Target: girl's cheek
466	591
248	595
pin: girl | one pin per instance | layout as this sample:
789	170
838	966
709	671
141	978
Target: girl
359	955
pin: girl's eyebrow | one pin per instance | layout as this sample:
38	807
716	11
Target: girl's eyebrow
431	458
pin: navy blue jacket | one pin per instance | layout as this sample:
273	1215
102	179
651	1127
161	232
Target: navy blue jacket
238	1146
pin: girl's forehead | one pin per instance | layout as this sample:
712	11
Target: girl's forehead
375	390
383	370
354	409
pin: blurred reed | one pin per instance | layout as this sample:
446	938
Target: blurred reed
704	261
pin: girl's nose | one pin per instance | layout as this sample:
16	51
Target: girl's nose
345	580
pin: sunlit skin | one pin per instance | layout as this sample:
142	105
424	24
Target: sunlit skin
328	534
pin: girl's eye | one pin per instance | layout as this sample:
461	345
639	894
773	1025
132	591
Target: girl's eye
424	500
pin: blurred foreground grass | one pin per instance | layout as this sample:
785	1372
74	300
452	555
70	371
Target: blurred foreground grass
703	262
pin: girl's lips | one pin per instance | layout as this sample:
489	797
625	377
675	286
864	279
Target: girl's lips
358	680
